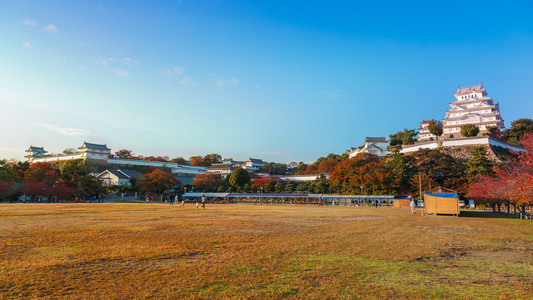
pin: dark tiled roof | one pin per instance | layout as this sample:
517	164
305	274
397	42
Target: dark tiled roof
36	149
256	160
116	173
131	173
220	166
93	146
375	140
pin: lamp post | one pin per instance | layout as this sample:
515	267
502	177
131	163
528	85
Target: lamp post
261	188
361	190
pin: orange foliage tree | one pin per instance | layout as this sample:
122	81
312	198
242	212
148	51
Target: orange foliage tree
157	181
208	182
6	190
364	170
34	188
513	184
197	161
41	172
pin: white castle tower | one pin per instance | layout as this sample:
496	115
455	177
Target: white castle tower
472	107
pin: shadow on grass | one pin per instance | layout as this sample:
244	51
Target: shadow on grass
487	215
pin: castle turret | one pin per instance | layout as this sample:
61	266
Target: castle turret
35	152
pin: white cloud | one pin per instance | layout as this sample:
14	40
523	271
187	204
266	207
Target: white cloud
128	61
102	62
120	73
50	28
169	72
10	149
186	80
172	72
81	67
27	45
219	82
233	81
180	77
178	70
99	8
64	131
28	22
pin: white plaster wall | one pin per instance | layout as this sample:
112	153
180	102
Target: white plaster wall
481	140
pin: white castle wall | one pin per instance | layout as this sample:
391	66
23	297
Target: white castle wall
477	140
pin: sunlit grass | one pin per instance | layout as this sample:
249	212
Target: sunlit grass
248	251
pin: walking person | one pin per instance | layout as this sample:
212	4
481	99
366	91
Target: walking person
413	206
180	198
197	203
203	201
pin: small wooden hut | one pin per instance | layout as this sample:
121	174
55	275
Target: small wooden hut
401	203
441	201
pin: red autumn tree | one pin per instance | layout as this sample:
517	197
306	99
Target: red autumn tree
261	181
34	188
197	161
327	166
61	191
41	172
208	181
513	184
157	181
6	190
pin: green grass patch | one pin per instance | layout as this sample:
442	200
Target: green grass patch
470	279
56	251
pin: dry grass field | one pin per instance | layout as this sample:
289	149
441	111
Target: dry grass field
246	251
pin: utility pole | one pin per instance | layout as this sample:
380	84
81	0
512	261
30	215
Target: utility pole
420	184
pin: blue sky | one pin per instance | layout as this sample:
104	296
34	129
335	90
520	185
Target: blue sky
279	80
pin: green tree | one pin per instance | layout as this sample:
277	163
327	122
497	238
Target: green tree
289	187
435	127
301	168
398	165
279	187
72	169
274	168
405	137
19	170
494	132
469	130
213	158
179	160
438	167
70	151
124	154
321	184
517	131
302	187
269	186
478	165
239	177
89	185
7	173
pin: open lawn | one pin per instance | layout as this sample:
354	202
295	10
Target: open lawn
127	250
